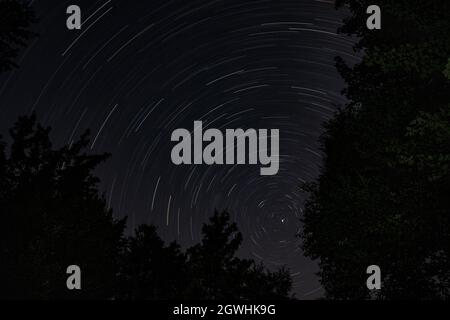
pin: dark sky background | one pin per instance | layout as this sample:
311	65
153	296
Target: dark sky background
137	70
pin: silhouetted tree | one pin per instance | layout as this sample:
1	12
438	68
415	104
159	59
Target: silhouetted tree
208	271
217	273
52	216
15	22
382	196
149	269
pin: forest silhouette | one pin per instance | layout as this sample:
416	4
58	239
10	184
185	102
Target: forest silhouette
53	216
381	198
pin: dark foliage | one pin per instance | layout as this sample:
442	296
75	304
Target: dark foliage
218	274
53	216
382	197
15	22
149	269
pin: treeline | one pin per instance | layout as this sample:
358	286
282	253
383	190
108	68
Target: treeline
383	194
52	216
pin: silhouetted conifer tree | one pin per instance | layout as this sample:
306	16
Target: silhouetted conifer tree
53	216
382	196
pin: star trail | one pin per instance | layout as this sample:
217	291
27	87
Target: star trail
136	72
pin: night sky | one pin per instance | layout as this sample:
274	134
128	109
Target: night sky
137	70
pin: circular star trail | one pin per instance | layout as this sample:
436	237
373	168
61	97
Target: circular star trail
137	71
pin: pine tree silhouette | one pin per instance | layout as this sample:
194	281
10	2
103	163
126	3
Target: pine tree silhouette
52	216
217	273
150	270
